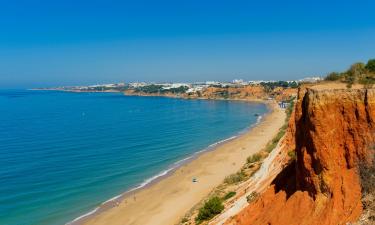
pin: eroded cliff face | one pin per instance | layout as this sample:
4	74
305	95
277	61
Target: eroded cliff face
333	131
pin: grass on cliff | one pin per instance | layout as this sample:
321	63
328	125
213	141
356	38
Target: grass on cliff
252	197
210	209
292	154
235	178
254	158
229	195
273	143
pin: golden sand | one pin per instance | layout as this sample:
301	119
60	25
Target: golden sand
166	201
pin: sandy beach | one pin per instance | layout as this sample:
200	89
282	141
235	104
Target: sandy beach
166	201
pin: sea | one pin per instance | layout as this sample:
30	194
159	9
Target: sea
63	154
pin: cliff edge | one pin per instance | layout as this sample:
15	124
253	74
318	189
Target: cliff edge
333	134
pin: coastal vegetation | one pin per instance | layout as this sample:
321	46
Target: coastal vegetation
159	89
103	88
289	109
273	143
358	73
283	84
252	196
228	189
211	208
229	195
292	155
235	178
254	158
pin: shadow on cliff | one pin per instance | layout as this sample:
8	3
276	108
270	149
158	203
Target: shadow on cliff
332	130
286	180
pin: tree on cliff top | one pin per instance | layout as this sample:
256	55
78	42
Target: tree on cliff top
333	76
357	69
371	65
357	73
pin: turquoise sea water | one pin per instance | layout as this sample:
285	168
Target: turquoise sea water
62	154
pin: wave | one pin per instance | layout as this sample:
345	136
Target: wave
163	173
222	141
83	216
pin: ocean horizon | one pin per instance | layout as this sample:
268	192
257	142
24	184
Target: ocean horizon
64	154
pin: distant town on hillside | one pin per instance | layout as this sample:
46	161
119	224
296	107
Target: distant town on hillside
152	87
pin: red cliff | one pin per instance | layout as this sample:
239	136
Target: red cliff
333	129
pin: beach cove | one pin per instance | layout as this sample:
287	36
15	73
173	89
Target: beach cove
167	200
64	154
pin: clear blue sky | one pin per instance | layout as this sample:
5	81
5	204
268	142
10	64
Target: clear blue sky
48	43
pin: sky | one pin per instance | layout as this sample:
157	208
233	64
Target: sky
53	43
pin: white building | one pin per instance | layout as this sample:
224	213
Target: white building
212	83
137	84
310	79
195	89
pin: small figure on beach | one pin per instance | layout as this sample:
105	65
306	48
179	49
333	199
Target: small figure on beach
135	198
194	180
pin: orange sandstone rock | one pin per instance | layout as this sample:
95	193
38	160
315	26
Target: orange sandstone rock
332	130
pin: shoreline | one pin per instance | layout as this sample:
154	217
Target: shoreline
134	197
152	180
171	168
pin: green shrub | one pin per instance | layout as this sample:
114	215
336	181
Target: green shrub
184	220
251	197
279	135
356	69
349	84
367	81
150	89
333	76
289	110
178	90
211	208
270	147
292	154
357	73
371	65
229	195
254	158
235	178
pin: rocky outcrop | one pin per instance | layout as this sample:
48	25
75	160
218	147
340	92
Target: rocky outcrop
333	133
243	92
248	92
